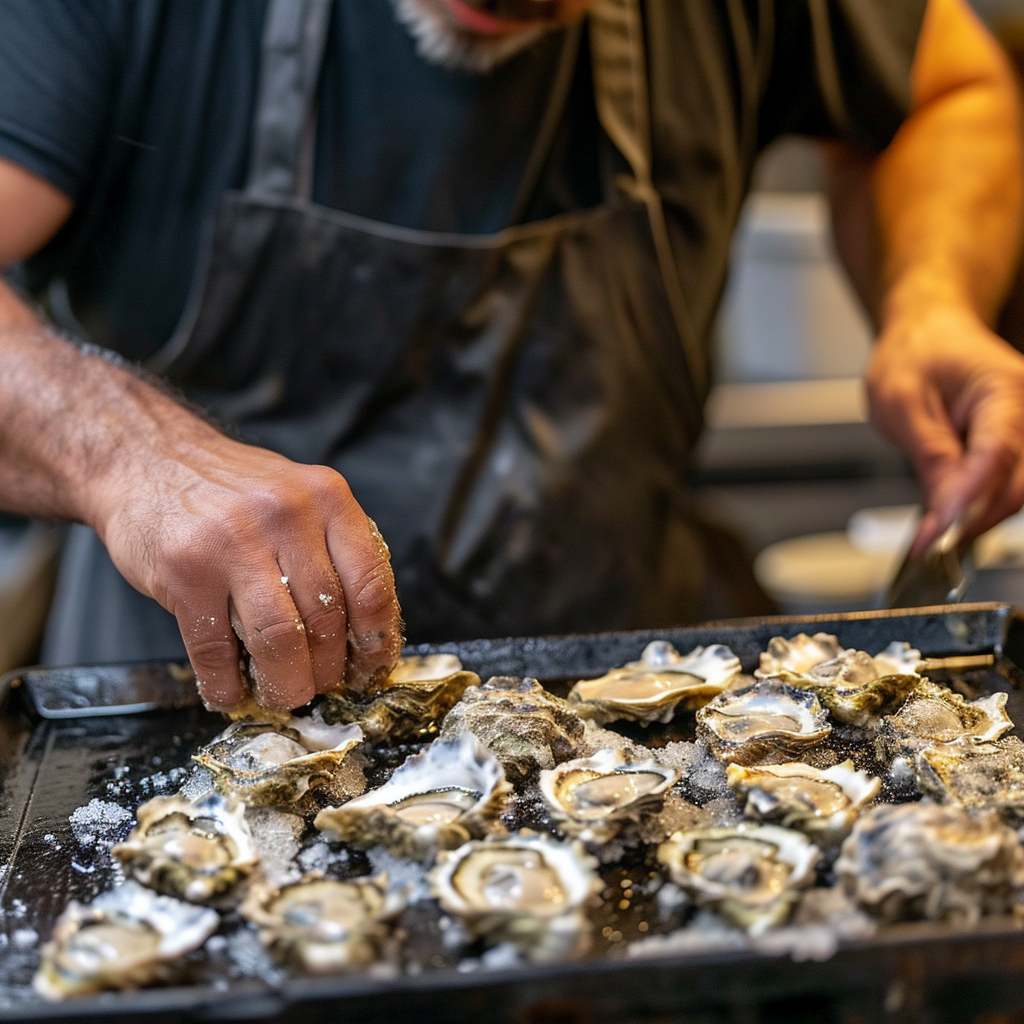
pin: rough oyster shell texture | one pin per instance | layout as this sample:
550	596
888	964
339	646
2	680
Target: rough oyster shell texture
527	889
904	861
766	722
437	800
594	798
264	764
125	938
526	728
323	925
823	804
195	851
650	690
750	874
410	703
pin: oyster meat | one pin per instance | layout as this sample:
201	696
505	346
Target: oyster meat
264	764
126	938
322	925
410	703
766	722
650	690
823	804
594	798
798	655
921	860
525	727
437	800
526	889
750	874
196	851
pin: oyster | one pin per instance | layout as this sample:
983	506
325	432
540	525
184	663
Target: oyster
125	938
321	925
941	863
768	721
526	889
268	765
650	690
934	715
452	792
824	804
596	797
410	703
798	655
196	851
750	874
517	720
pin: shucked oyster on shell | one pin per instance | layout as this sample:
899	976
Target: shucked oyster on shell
410	703
823	804
527	889
126	938
766	722
324	926
750	874
264	764
437	800
650	690
196	851
594	798
798	655
525	727
920	860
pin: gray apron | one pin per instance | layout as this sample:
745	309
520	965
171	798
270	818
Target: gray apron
515	411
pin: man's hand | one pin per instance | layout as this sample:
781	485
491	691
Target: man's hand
951	394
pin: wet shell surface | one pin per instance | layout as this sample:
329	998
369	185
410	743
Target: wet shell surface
264	764
750	874
907	861
767	722
324	926
650	690
126	938
410	704
526	889
196	851
798	655
594	798
526	728
823	804
439	799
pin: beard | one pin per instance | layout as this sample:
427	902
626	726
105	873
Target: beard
442	40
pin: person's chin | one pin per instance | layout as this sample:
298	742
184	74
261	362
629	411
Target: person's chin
442	38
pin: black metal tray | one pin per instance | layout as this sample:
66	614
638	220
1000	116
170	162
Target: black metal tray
69	735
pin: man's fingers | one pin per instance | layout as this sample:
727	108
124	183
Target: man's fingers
267	622
213	651
320	601
364	567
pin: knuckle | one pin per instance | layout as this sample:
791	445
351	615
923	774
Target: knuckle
325	625
279	632
374	591
213	653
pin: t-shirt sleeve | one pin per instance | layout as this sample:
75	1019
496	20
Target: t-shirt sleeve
58	69
840	69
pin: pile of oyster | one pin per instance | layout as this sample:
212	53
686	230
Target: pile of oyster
672	798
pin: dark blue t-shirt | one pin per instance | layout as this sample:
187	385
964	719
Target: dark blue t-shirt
140	111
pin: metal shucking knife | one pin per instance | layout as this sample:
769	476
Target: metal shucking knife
936	577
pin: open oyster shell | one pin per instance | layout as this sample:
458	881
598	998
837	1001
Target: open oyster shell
526	889
410	703
905	861
324	926
264	764
525	727
823	804
766	722
126	938
798	655
596	797
196	851
437	800
750	874
650	690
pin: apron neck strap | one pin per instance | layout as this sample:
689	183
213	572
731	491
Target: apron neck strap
294	36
